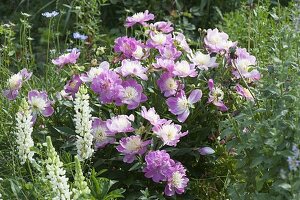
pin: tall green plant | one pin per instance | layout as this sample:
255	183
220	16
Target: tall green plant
263	135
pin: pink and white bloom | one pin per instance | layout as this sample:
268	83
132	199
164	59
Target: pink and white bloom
15	83
169	133
152	116
165	27
126	46
169	52
167	84
180	39
108	85
180	104
164	64
100	133
141	52
40	103
72	86
158	40
131	94
120	124
203	61
243	65
184	69
68	58
216	41
132	68
141	18
132	146
216	96
177	180
94	71
244	92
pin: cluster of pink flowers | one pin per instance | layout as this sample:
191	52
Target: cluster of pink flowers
163	61
68	58
165	56
37	100
160	167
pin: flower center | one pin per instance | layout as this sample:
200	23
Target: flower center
183	104
170	132
38	103
217	93
202	59
177	179
183	68
133	145
100	134
130	93
14	81
215	39
159	38
171	84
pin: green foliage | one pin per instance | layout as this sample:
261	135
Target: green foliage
262	135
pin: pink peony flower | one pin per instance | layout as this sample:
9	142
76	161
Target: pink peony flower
132	146
169	133
184	69
158	40
167	84
40	103
131	94
180	104
15	83
164	64
107	85
152	116
203	61
169	53
180	38
132	68
141	18
72	86
243	64
100	133
177	180
120	124
67	58
126	45
165	27
94	71
217	42
216	96
158	165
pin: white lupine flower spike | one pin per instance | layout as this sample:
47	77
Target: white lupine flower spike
83	124
23	132
80	188
56	174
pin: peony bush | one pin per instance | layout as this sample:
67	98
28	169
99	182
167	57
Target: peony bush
154	98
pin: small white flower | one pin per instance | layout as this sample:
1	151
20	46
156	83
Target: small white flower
50	14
